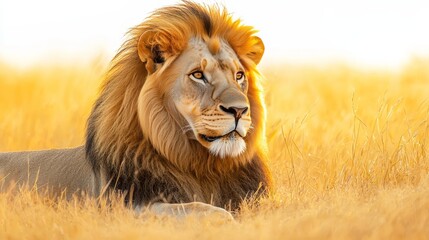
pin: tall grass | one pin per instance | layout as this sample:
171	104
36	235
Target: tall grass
349	153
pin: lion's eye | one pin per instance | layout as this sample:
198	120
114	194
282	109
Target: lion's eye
198	75
239	76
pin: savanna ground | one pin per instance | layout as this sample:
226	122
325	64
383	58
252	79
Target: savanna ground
349	154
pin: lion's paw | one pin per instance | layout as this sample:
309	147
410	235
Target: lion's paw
196	209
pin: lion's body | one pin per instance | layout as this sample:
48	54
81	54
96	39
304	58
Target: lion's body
62	171
180	118
67	172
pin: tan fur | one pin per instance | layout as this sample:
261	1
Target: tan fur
62	172
143	134
214	45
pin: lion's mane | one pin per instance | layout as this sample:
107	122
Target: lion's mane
166	165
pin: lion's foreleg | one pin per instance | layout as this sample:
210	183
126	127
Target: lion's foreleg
181	210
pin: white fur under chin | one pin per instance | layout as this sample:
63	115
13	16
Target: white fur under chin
228	147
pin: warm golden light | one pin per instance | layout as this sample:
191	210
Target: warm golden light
347	118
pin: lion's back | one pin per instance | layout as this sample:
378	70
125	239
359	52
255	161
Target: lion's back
59	169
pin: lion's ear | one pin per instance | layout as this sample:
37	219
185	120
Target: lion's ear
150	52
256	50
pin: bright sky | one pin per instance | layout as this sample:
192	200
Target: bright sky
364	32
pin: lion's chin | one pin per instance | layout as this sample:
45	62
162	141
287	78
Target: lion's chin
228	146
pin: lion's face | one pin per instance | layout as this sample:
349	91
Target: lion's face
183	87
210	92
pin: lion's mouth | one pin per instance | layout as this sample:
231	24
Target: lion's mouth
231	135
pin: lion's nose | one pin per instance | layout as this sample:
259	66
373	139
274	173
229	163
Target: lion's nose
236	111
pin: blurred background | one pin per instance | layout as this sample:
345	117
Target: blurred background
367	33
347	95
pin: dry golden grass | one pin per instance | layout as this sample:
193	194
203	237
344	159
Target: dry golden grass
349	155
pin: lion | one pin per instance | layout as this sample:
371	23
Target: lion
179	125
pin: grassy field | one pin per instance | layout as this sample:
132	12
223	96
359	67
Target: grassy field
349	154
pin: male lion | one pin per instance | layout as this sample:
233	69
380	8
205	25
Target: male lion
179	124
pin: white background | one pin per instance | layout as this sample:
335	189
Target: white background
379	33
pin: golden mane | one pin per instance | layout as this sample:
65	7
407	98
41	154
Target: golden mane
115	138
